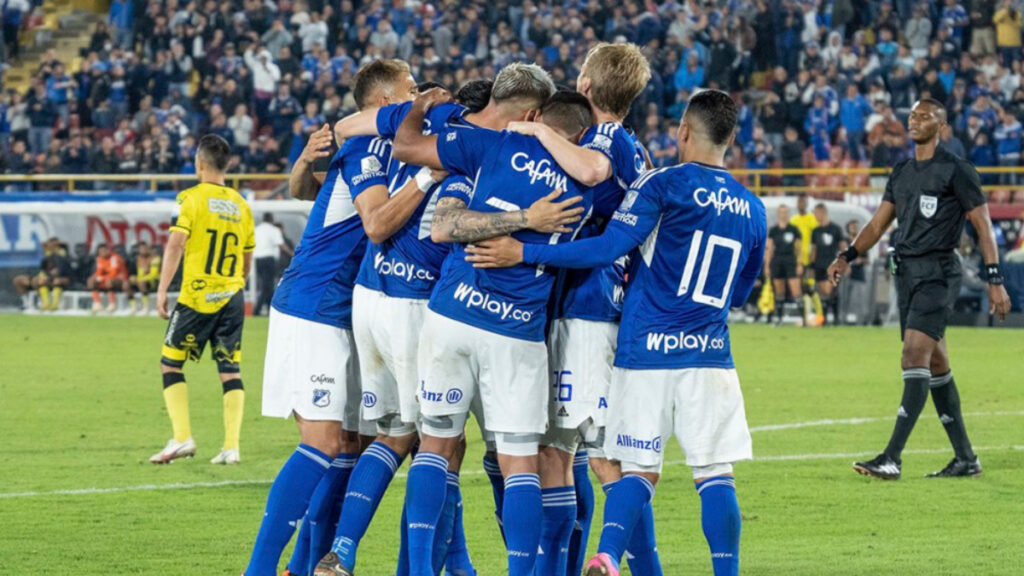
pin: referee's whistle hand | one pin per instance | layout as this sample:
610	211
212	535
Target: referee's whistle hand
999	301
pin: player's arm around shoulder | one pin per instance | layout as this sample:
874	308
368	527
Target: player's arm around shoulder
587	162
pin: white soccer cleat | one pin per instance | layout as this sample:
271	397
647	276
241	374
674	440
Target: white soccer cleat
173	451
227	457
96	307
111	308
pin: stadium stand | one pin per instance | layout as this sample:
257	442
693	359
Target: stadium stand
841	73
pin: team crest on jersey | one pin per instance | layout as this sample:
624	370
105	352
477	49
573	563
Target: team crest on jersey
826	239
369	165
928	205
788	237
321	397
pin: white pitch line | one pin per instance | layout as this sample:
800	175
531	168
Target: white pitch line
767	428
856	421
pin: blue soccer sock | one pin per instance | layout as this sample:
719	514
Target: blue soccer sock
720	518
493	471
298	564
522	518
458	561
369	480
286	504
446	522
425	495
642	550
584	514
622	510
324	507
403	545
559	511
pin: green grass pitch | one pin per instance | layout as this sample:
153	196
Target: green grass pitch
81	411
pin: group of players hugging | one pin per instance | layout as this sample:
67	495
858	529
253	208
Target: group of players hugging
507	254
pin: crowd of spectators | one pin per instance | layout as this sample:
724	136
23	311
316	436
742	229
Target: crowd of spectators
821	82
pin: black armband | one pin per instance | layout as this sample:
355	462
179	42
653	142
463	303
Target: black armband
850	254
993	275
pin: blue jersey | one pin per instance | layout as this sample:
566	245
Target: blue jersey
702	238
510	172
408	263
317	285
596	294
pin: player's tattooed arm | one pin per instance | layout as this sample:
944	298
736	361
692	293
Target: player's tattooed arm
588	167
303	183
454	222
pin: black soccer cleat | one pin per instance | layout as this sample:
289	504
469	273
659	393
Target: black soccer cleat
958	468
880	466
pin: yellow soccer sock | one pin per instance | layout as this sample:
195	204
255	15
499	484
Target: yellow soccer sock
145	301
234	406
176	399
44	298
817	304
55	299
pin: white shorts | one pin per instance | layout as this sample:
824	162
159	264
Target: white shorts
703	407
387	334
581	359
459	362
311	370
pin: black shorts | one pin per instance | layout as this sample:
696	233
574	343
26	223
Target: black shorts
188	332
927	288
821	274
783	268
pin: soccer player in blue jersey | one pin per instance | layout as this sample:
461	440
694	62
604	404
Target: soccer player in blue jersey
311	370
701	236
587	307
484	332
395	280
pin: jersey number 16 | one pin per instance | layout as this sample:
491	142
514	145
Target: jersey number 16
225	257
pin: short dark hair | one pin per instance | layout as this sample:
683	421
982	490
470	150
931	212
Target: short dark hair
375	75
428	85
933	102
568	111
716	112
214	151
475	95
821	205
268	217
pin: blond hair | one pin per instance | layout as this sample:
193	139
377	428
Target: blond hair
618	74
377	75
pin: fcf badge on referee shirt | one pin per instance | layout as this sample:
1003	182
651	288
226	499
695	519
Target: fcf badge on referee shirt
928	205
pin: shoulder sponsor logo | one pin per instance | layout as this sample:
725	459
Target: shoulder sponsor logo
928	205
625	218
406	271
602	142
542	170
321	397
669	343
460	187
369	164
722	201
627	441
473	298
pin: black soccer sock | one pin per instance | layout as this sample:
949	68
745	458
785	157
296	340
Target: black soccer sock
947	404
915	394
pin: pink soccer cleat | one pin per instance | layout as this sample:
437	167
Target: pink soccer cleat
602	565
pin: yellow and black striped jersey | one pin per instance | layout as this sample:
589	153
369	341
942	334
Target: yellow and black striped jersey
805	223
219	226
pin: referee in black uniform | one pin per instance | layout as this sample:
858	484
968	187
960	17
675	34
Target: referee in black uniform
930	195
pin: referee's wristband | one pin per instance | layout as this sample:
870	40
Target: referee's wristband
993	275
850	254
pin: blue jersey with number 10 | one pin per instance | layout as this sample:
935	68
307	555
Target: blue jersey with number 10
703	236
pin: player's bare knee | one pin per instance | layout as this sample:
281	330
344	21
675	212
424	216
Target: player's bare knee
702	473
350	442
401	444
324	435
651	477
555	467
607	471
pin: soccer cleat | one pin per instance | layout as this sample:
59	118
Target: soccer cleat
880	466
958	468
601	565
228	457
330	565
111	308
174	450
96	308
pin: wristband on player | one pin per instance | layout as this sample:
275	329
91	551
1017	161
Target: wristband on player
424	181
850	254
993	274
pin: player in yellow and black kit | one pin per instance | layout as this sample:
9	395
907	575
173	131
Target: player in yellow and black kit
146	276
213	229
